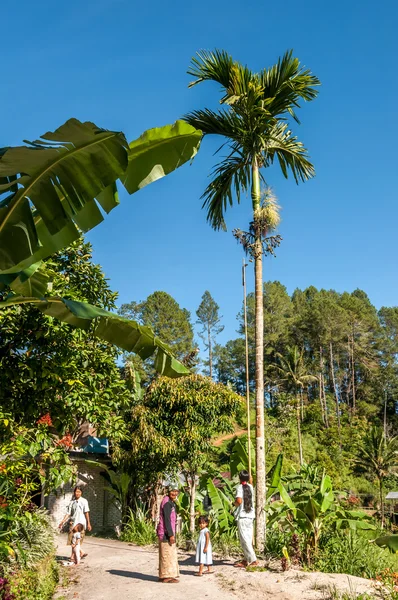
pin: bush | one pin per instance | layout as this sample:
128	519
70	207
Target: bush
138	529
32	538
34	584
353	554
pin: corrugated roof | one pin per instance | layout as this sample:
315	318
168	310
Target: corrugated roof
392	496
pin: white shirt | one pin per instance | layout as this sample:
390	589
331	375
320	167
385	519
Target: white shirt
76	510
240	512
76	538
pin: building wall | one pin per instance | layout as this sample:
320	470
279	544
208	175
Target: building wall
103	512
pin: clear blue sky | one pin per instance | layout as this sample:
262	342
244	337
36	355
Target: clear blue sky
122	64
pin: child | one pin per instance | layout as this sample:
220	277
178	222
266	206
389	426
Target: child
76	543
204	554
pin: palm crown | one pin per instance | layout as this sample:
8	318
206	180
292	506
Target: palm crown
254	121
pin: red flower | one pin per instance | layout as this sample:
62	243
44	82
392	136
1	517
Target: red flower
65	441
45	420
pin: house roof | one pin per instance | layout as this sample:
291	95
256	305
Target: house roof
392	496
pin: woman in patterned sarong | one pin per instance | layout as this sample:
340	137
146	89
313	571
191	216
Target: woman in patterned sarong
166	532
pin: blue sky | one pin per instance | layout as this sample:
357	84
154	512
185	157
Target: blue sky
122	64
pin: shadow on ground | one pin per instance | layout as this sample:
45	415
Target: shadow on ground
132	575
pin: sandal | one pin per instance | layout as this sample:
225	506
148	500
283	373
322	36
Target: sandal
198	574
169	580
241	565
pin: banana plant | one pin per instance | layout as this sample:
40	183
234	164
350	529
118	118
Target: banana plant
221	502
53	188
307	512
240	461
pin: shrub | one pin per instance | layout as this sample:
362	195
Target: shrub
38	583
352	554
138	529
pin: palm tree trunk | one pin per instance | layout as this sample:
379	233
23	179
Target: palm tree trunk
300	445
259	368
192	494
210	352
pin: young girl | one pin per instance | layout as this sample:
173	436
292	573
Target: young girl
244	514
77	530
204	554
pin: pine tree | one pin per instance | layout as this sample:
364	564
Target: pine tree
208	317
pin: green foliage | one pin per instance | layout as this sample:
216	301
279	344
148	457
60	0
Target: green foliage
48	367
209	319
53	186
119	486
35	584
222	503
177	419
352	553
138	528
168	321
310	507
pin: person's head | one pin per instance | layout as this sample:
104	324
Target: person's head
173	493
203	521
244	478
79	527
78	492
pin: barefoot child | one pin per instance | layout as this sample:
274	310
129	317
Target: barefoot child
77	530
204	554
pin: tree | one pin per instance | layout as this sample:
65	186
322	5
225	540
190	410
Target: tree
253	121
169	322
48	367
174	424
293	374
209	318
378	456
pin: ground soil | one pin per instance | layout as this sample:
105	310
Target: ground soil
121	571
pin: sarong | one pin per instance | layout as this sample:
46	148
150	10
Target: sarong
245	530
168	561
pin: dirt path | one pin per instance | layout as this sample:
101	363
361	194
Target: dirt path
116	570
229	436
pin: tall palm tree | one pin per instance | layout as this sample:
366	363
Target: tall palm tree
379	457
253	121
293	372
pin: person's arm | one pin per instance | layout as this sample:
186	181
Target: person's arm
167	508
239	495
206	542
66	517
87	515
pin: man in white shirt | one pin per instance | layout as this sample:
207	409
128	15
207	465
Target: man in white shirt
78	512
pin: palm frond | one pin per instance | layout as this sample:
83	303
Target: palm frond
223	122
291	154
285	83
232	175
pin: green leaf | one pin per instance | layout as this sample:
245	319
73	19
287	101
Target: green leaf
158	152
388	541
221	505
59	177
117	330
69	175
239	457
274	476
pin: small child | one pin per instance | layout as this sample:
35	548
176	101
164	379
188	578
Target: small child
76	543
204	554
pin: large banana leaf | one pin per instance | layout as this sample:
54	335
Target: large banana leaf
221	506
158	152
388	541
274	476
121	332
56	186
239	460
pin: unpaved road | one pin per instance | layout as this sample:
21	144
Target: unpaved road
116	570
